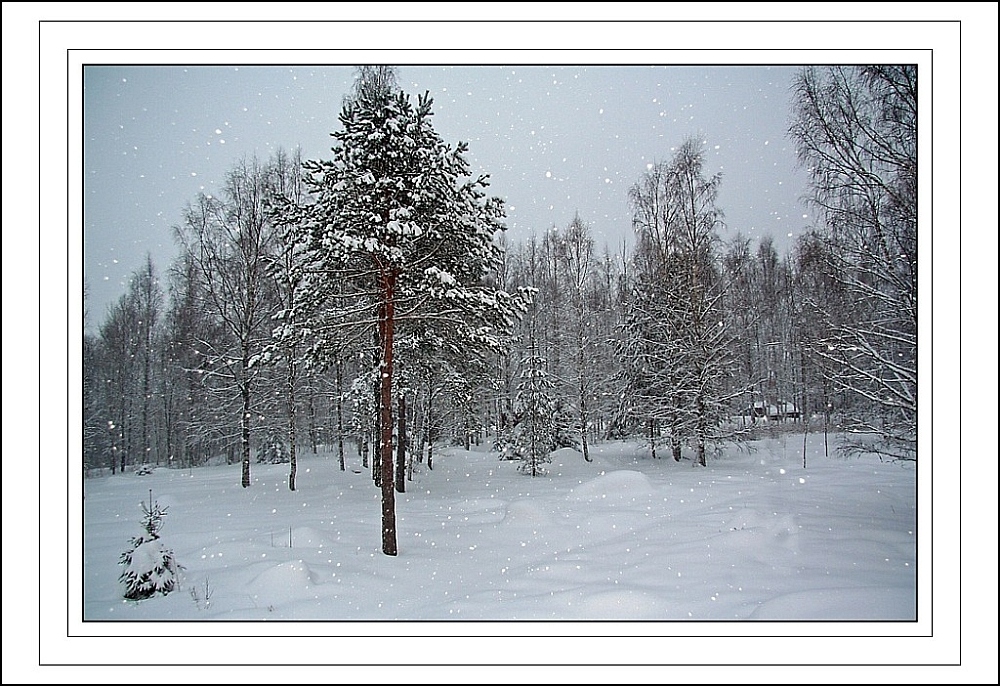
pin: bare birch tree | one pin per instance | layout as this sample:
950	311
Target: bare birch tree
856	132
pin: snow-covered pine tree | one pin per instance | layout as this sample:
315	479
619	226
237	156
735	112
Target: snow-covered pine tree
535	431
399	202
150	567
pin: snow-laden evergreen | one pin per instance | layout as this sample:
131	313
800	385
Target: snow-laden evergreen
398	215
150	567
535	432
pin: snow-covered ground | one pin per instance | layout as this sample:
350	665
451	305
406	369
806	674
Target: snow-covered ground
753	536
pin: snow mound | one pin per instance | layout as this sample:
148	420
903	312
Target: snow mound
481	510
566	456
619	604
618	486
309	537
477	505
282	583
841	603
780	526
526	513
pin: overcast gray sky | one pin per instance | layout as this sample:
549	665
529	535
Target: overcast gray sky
555	140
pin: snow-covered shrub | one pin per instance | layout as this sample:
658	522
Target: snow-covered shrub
503	444
563	432
273	450
150	567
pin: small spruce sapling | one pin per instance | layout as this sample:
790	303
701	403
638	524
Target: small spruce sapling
273	450
150	567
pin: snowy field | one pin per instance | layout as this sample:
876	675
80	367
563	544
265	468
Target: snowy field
753	536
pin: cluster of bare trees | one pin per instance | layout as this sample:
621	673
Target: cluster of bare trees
555	386
856	130
175	372
120	412
689	341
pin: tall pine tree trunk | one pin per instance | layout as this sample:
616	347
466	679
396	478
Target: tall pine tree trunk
386	331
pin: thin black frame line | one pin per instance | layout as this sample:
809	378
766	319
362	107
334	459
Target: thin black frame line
500	21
